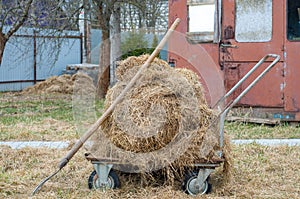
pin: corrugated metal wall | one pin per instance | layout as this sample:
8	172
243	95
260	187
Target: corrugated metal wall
28	58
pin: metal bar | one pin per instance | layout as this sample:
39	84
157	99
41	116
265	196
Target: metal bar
50	37
199	2
246	76
207	165
81	48
34	57
103	173
236	100
203	175
20	81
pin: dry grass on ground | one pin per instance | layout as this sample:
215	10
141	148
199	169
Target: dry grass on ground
36	117
259	172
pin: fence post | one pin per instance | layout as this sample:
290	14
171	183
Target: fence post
34	57
81	48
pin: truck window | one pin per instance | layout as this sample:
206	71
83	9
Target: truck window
293	20
253	20
201	20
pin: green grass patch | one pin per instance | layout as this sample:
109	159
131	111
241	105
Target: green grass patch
31	109
240	130
41	117
51	117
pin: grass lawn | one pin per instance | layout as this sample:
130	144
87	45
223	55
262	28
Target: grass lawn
238	130
39	117
44	117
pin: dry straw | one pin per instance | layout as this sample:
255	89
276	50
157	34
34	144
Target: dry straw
57	84
166	109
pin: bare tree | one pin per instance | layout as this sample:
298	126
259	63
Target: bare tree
21	14
148	14
131	14
48	16
115	51
104	11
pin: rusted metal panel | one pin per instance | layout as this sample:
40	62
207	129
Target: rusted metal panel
292	74
238	57
292	70
232	76
267	93
251	51
201	58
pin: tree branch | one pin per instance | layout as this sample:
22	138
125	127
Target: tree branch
20	22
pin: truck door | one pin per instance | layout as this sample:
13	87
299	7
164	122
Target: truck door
250	30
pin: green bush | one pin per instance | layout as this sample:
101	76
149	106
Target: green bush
135	44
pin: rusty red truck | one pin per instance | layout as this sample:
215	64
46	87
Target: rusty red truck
222	40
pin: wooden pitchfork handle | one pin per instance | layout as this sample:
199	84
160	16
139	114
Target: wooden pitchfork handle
64	161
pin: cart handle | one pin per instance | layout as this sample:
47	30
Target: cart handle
236	100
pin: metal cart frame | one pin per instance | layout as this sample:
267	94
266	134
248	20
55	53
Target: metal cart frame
103	166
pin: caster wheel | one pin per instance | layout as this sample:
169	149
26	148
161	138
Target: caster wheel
113	181
191	186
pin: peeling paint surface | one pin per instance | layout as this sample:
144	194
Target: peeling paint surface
282	86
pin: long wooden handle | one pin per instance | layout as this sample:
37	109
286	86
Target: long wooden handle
96	125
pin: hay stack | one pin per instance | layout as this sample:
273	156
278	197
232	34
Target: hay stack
165	106
135	62
57	84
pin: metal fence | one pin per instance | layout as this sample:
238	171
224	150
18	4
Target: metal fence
29	58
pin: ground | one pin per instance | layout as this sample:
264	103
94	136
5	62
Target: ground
258	171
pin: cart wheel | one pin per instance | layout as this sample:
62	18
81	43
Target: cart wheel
191	187
113	180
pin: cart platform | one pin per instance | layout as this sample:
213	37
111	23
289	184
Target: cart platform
196	179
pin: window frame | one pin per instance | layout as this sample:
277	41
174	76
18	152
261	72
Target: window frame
205	36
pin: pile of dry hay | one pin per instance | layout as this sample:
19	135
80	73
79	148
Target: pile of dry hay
58	84
163	121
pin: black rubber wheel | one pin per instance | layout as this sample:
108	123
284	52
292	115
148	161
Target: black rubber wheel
189	185
113	180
